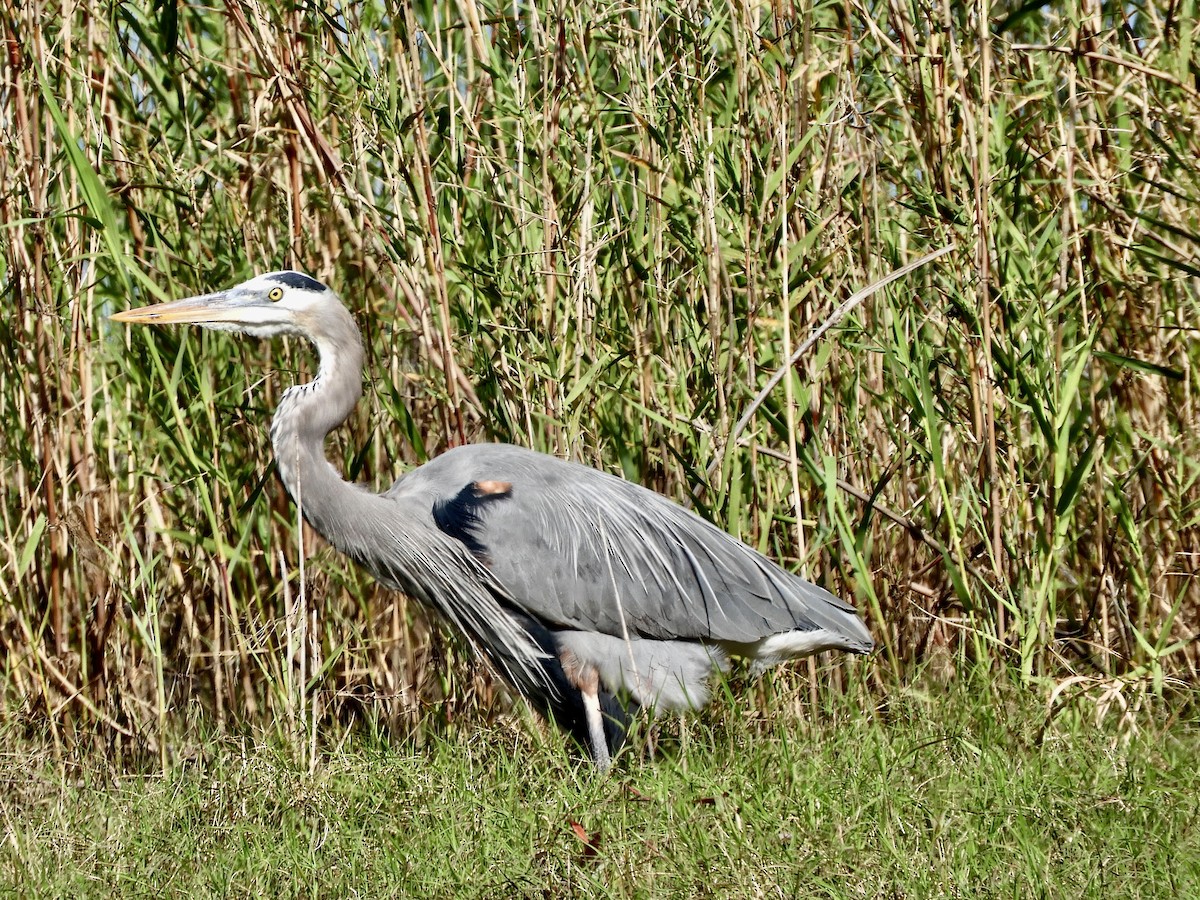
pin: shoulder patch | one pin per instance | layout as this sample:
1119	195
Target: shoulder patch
462	515
491	488
298	281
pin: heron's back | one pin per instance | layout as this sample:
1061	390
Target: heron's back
585	550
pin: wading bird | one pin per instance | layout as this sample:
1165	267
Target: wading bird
593	596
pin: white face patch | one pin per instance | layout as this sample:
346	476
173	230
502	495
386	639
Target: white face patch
257	314
263	315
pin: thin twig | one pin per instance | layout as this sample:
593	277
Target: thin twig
1138	67
914	530
917	532
838	314
76	694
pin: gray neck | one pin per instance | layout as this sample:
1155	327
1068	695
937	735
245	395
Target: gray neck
412	555
307	413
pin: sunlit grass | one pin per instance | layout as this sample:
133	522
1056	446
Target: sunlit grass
967	793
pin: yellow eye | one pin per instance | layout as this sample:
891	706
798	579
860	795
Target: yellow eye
276	294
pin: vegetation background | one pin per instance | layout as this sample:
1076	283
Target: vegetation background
598	229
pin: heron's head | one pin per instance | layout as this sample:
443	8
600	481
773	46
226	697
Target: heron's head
265	306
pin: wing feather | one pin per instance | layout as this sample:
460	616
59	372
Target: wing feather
579	548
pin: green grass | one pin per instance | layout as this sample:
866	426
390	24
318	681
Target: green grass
966	793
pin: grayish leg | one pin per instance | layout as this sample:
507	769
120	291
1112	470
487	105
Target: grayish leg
595	723
587	680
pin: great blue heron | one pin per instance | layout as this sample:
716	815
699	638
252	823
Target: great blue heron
592	595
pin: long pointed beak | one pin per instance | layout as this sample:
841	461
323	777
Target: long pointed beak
203	310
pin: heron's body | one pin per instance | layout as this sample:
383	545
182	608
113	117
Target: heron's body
591	594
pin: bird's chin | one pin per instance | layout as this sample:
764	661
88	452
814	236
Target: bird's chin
256	330
223	326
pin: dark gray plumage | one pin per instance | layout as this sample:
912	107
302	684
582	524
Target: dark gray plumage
592	595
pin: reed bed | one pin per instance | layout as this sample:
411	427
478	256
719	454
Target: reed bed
598	229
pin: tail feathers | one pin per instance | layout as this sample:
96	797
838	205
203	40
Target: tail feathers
829	615
778	648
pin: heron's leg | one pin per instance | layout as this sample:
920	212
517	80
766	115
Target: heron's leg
587	680
595	723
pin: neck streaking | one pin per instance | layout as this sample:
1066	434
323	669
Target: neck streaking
402	547
308	412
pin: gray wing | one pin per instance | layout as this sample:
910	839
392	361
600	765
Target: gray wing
579	548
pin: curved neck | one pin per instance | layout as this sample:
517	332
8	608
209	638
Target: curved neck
308	412
400	545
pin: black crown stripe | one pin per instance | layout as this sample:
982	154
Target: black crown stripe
298	281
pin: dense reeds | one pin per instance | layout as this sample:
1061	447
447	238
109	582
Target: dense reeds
598	229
